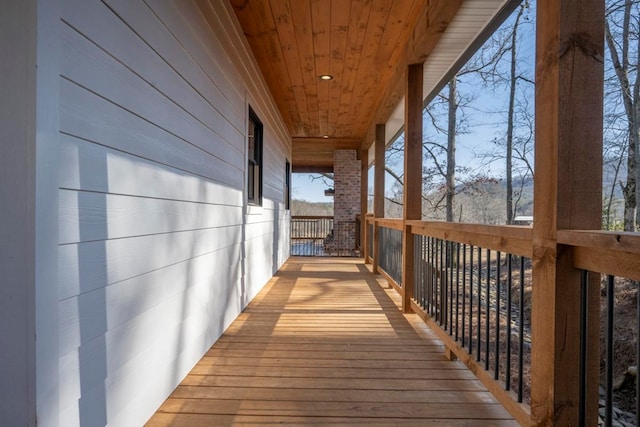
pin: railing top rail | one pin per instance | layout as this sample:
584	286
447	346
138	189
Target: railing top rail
394	223
513	239
615	253
619	241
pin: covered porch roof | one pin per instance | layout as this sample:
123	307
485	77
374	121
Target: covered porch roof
365	47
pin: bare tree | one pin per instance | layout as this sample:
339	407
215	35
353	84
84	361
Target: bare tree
515	145
623	43
450	174
513	80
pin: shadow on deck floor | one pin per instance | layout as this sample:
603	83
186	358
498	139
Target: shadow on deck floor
325	343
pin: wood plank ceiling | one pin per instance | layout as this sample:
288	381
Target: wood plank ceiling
364	44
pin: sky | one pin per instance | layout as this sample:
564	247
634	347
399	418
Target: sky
304	188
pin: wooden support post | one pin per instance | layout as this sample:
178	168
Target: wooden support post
568	195
364	188
412	176
378	190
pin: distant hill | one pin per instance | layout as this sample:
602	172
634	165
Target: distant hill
304	207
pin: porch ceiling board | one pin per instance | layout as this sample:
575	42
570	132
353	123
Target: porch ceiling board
362	43
366	46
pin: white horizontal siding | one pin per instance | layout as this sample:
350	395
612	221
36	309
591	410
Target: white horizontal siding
84	267
87	66
157	251
138	176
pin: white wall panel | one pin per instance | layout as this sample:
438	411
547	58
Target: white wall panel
87	266
88	216
137	176
157	253
89	67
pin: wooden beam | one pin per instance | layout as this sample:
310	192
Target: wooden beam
311	169
378	189
412	208
568	195
308	152
364	185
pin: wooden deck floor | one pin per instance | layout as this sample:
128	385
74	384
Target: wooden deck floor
325	343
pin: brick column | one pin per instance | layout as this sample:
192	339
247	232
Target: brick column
346	199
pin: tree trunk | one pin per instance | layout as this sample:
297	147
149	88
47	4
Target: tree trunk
451	149
630	94
607	212
630	189
636	140
513	79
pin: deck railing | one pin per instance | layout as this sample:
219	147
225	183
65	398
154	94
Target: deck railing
321	236
390	249
473	285
611	262
308	234
369	227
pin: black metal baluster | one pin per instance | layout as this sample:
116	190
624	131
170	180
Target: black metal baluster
430	277
471	299
496	374
584	288
457	288
608	405
440	302
425	271
445	283
487	317
450	286
479	325
509	302
444	277
464	289
417	268
423	263
450	289
434	279
521	331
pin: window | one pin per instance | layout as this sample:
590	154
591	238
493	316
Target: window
254	156
287	185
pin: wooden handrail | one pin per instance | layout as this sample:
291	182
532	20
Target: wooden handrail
393	223
516	240
615	253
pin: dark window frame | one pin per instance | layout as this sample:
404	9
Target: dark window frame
255	143
287	185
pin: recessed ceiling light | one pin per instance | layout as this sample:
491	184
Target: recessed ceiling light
325	136
326	77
